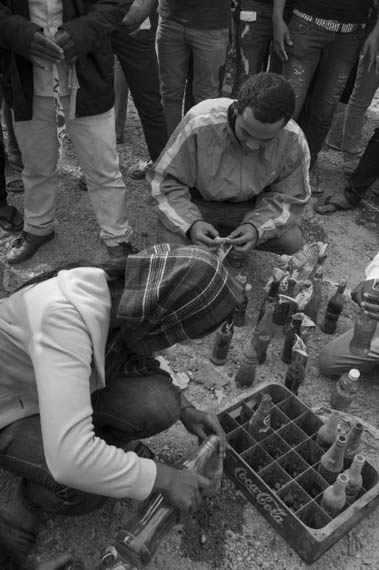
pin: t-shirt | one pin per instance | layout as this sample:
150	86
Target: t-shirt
199	14
355	11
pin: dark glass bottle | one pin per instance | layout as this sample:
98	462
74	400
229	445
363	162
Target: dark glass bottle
221	344
355	480
312	307
286	304
344	390
364	327
249	360
295	374
239	316
328	432
272	298
260	422
334	308
138	542
353	440
334	497
263	333
331	463
292	330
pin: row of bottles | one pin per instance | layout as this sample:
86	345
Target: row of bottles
345	490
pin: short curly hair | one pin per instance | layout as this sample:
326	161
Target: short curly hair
269	95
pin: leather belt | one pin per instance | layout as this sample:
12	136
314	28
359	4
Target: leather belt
330	25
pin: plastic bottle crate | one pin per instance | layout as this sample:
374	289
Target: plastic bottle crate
279	476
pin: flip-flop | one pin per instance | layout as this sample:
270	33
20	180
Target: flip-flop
11	219
14	183
332	203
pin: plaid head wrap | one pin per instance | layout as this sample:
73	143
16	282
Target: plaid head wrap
172	294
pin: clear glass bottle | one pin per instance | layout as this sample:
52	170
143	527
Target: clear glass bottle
353	440
260	422
364	327
272	298
344	390
354	475
263	332
221	344
328	432
334	497
331	462
248	362
139	540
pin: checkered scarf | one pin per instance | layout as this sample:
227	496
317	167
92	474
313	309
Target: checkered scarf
173	294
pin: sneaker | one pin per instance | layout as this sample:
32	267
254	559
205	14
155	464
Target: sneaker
140	169
25	246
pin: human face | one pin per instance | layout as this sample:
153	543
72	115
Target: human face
252	134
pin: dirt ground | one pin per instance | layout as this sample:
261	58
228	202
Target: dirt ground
237	536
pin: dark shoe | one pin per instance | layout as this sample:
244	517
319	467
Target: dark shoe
139	171
10	219
25	246
121	251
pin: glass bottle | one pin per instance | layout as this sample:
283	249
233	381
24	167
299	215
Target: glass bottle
364	327
334	308
239	315
353	440
263	332
344	390
295	374
328	432
272	297
312	307
221	344
249	360
292	330
354	475
260	422
334	497
331	462
139	540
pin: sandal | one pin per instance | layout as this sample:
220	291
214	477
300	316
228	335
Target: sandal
11	219
14	183
332	203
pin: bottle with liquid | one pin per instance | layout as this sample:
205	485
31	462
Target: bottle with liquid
249	360
353	440
295	374
328	432
221	344
139	540
263	332
272	298
293	329
344	390
239	316
334	308
334	497
311	309
354	475
331	462
286	304
364	327
260	422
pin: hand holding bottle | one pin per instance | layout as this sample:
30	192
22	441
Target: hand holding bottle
365	296
180	487
202	424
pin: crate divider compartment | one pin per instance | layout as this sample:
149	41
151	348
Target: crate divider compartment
292	407
293	496
310	451
275	446
240	440
227	422
292	434
275	477
277	392
278	419
241	413
309	423
312	483
256	458
293	464
313	516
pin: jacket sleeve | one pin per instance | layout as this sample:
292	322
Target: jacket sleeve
372	270
282	204
61	354
172	176
87	30
16	32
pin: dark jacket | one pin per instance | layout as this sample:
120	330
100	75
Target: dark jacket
89	23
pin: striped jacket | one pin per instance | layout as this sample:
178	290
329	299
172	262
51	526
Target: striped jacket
203	153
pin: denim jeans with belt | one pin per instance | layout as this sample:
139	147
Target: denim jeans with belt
129	408
366	173
318	66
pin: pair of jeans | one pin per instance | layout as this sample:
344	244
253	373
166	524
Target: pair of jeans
94	140
176	43
128	408
366	173
225	217
318	67
139	62
3	186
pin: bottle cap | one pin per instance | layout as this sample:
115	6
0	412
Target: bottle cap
354	374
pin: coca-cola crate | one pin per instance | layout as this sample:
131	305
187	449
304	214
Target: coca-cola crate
279	475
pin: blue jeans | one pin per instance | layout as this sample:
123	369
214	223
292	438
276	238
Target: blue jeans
319	64
366	173
128	408
176	43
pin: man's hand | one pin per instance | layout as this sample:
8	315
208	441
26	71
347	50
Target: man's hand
203	424
282	38
204	234
243	238
41	48
180	487
370	50
363	295
65	42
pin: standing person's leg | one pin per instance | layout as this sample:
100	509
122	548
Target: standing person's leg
94	139
10	219
14	154
209	54
173	56
337	61
366	173
121	90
